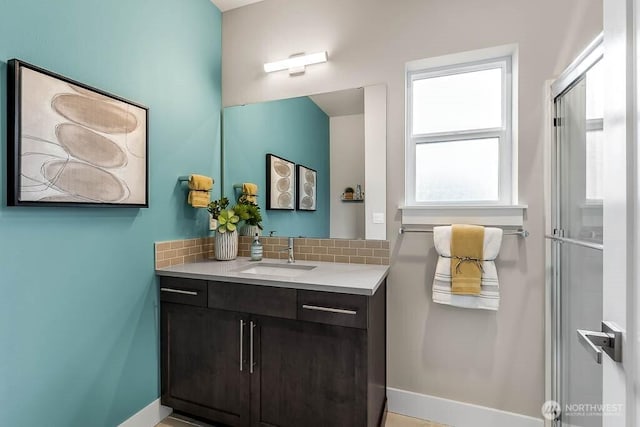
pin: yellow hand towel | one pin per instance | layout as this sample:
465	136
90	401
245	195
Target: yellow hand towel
251	191
467	242
200	186
200	182
199	199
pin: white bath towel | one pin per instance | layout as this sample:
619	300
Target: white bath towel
489	298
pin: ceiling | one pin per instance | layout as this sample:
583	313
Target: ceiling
341	103
225	5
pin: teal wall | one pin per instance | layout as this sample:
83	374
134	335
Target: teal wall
78	304
296	129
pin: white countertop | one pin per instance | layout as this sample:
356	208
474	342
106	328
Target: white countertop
360	279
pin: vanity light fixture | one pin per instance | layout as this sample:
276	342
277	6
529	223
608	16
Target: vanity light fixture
296	63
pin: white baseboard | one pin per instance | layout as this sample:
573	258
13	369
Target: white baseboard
453	413
148	416
437	409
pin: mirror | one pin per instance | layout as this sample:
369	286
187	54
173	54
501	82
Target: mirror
328	134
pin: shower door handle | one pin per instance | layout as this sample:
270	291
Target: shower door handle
609	340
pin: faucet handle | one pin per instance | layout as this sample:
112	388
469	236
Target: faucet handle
271	233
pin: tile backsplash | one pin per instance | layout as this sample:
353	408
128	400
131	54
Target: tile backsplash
305	249
328	250
178	252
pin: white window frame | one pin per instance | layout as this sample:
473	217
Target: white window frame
505	210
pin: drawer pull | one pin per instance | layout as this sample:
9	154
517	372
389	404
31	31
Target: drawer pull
179	291
329	309
251	362
241	341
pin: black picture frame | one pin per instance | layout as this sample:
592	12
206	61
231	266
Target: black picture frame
281	181
306	188
70	144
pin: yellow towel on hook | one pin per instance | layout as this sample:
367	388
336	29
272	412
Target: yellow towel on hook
199	199
467	242
199	186
250	191
200	182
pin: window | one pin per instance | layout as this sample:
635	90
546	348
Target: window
459	133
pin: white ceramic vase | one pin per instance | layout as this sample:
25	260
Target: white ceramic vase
249	230
226	246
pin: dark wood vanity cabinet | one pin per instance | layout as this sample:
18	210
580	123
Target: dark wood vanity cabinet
199	348
245	355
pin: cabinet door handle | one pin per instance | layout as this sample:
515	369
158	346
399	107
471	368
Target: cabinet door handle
251	362
241	342
179	291
329	309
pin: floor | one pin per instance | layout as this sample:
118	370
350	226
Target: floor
393	420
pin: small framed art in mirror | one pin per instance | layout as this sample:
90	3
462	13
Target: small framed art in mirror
306	189
280	183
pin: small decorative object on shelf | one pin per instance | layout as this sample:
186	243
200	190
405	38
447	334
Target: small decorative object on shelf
352	196
348	194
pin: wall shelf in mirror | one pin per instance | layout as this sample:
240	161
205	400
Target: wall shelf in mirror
360	200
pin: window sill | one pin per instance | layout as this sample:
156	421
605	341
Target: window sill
497	215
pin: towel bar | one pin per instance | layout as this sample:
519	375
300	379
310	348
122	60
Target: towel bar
520	232
185	178
241	188
584	244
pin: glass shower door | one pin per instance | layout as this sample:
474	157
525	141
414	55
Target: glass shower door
577	251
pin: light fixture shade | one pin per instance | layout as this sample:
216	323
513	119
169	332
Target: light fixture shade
296	63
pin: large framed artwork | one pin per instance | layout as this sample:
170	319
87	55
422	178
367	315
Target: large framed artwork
280	183
71	144
306	189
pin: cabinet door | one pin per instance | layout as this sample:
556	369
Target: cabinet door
308	374
201	364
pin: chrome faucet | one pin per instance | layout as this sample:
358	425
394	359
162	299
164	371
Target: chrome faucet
289	248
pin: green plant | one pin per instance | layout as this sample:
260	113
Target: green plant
248	211
217	206
227	220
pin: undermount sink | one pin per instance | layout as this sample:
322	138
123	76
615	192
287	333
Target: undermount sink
272	269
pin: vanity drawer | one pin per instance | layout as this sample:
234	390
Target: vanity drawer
183	291
332	308
253	299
